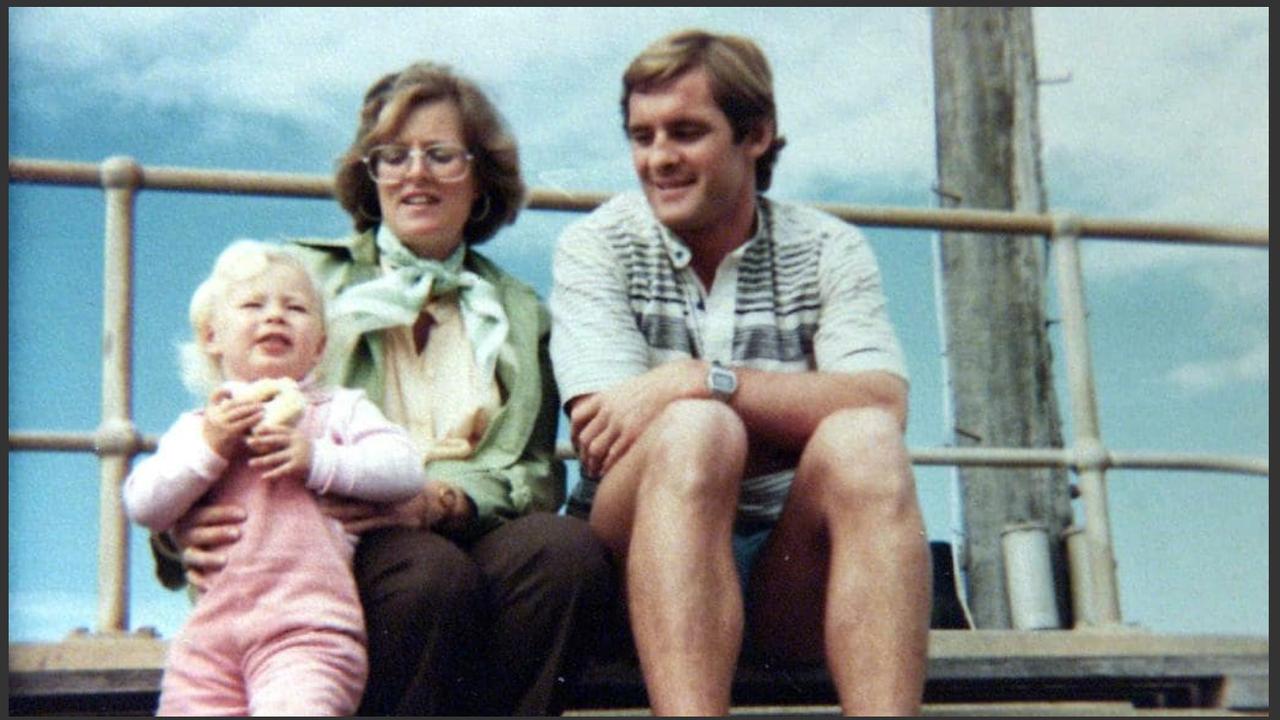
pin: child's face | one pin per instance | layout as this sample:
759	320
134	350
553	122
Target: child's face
268	326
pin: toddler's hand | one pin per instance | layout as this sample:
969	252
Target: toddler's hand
227	423
283	453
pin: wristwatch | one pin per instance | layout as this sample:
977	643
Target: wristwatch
721	381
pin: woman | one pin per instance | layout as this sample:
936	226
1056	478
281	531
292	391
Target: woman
478	598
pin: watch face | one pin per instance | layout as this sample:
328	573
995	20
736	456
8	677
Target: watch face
722	381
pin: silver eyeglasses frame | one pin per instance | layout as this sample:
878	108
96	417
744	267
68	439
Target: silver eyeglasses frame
444	172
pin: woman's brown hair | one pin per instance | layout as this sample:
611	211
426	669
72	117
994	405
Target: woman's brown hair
496	161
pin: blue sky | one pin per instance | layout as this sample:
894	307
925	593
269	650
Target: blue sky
1164	116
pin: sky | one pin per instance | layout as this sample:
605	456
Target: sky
1148	113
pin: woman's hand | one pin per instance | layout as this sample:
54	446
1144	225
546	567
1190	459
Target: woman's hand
203	536
439	505
457	510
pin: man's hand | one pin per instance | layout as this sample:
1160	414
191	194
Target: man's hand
282	453
606	424
204	535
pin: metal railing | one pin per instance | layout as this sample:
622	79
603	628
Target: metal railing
116	440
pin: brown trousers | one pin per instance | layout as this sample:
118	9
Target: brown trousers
496	626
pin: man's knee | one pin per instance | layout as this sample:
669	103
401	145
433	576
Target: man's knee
860	453
700	426
697	447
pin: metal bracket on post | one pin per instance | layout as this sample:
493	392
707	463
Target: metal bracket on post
117	437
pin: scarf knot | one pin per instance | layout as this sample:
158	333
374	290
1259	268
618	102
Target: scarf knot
408	282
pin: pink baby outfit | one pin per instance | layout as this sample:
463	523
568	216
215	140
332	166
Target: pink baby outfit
280	629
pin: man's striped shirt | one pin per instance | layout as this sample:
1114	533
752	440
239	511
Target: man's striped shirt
802	294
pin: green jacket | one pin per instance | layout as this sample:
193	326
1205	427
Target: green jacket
513	470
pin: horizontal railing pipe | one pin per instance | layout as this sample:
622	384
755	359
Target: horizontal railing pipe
1011	223
22	170
994	457
1186	461
155	177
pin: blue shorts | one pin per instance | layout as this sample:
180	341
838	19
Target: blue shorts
748	541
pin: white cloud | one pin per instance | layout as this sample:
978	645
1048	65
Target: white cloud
87	38
1232	292
1166	115
1167	110
1253	366
855	96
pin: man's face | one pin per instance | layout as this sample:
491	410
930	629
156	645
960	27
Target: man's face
692	172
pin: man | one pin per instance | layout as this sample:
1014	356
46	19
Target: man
738	398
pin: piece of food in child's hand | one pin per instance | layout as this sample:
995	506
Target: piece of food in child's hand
283	402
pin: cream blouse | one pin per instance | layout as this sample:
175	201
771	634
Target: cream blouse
438	394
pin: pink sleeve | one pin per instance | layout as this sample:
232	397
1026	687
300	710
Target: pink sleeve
363	455
164	486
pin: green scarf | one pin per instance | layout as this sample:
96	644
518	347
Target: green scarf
408	281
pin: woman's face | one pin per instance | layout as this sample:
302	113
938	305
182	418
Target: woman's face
426	213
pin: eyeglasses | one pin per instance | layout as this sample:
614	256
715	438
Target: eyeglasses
391	163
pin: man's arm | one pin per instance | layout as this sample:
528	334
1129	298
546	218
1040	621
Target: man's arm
780	409
596	342
783	409
600	357
605	424
857	357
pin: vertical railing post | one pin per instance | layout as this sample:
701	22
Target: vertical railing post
1090	452
116	438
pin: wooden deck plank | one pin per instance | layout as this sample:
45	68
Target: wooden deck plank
970	672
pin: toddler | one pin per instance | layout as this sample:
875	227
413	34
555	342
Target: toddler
279	630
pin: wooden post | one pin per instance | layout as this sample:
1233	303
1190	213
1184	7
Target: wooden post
996	341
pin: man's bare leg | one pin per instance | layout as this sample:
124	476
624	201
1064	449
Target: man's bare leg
851	540
677	492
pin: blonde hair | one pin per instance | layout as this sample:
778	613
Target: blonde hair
242	260
741	83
